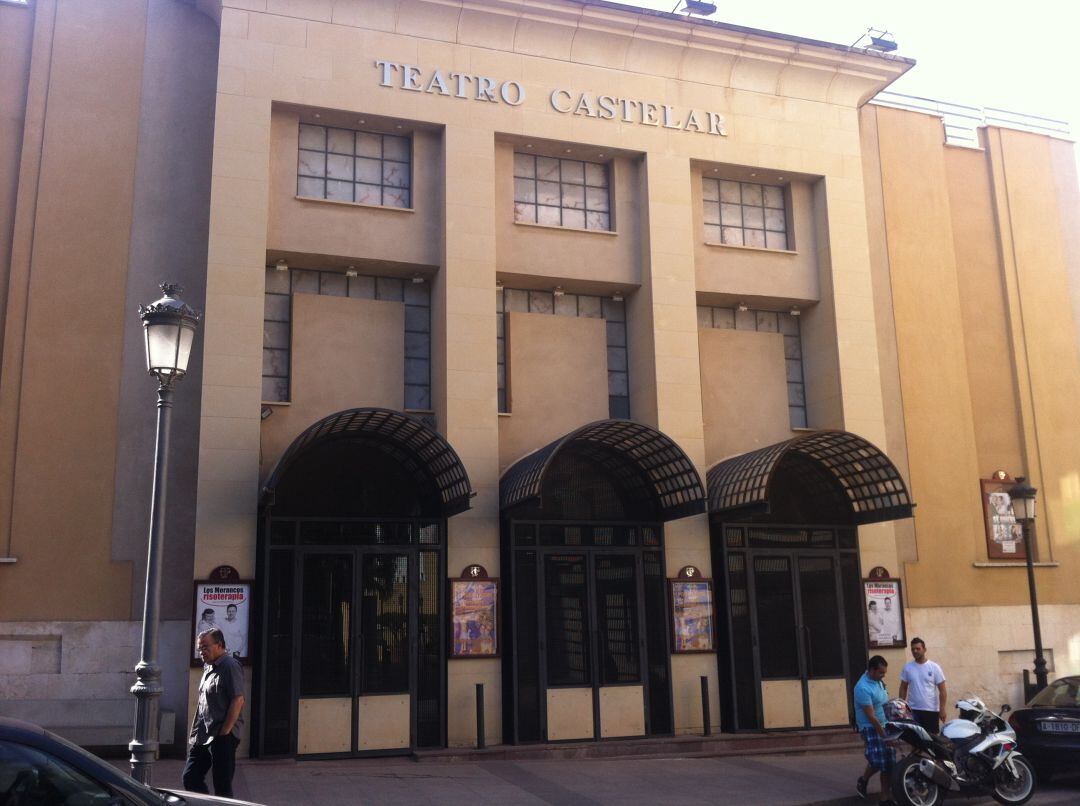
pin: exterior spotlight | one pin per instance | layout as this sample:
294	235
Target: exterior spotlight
743	307
881	40
418	279
282	265
702	9
352	272
795	311
558	291
617	296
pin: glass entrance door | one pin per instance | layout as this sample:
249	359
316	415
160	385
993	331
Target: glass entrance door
801	648
356	653
594	646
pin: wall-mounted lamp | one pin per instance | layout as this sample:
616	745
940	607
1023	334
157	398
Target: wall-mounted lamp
795	311
558	291
282	265
743	307
418	279
265	412
617	296
352	272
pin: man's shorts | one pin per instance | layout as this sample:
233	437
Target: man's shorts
878	754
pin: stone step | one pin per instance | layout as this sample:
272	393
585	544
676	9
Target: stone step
722	744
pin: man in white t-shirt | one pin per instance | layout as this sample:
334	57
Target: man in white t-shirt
922	684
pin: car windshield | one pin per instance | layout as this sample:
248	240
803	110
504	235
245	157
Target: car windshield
1060	693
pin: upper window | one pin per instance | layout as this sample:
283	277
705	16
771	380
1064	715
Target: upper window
561	193
744	214
353	166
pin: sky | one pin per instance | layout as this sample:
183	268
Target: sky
1020	58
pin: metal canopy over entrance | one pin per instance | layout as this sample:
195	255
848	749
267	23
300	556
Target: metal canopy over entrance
841	467
582	552
352	558
419	450
634	453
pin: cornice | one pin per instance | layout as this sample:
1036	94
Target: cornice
598	33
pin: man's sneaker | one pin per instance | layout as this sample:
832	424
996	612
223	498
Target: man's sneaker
860	787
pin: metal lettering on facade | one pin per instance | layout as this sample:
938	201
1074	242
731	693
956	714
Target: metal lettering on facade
470	87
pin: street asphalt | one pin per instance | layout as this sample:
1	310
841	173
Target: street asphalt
818	778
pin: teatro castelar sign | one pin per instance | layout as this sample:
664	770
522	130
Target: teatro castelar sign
455	84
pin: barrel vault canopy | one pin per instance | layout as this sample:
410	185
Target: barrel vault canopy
617	445
426	456
869	480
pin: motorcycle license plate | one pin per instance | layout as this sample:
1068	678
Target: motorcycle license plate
1059	727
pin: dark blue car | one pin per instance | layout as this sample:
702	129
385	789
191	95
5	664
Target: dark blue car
1048	727
38	768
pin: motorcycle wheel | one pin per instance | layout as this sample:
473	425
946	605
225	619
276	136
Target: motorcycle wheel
911	788
1014	790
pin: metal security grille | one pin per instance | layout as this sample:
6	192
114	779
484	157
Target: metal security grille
869	481
421	451
630	452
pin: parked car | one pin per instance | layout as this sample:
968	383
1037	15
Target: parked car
1048	727
38	768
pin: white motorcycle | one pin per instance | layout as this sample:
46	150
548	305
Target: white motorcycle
973	755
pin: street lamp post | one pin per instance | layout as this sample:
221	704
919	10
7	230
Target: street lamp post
169	328
1023	500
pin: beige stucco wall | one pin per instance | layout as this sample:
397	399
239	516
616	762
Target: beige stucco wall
792	114
373	236
557	380
744	398
751	274
545	256
346	353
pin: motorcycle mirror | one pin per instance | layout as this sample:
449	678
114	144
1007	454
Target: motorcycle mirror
1005	709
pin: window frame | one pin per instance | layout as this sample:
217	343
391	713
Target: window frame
526	185
384	187
718	232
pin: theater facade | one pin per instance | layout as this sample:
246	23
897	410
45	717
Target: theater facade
594	355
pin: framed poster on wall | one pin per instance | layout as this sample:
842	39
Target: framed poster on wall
691	612
1004	534
474	605
224	602
884	604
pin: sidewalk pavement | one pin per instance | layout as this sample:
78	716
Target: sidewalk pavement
820	778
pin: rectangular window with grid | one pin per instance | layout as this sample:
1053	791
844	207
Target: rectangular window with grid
561	193
277	323
781	322
612	311
354	166
744	214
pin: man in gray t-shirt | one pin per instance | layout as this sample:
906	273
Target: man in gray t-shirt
215	728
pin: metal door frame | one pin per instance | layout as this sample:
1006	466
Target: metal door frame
834	552
589	553
412	551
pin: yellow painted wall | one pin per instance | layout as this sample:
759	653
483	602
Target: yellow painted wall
986	350
70	242
557	380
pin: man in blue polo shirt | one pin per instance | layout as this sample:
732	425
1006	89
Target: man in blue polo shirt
870	699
